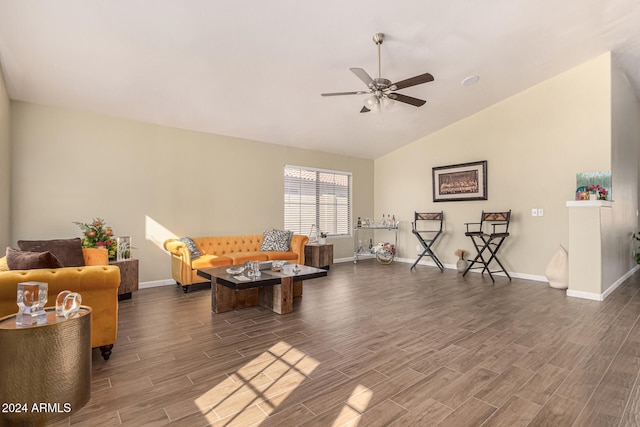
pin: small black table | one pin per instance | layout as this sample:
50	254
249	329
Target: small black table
273	289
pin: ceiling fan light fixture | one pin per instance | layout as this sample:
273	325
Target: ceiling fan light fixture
382	91
371	102
387	103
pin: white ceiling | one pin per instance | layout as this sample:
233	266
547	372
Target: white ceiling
255	69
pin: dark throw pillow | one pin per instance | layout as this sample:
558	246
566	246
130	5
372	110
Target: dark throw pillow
18	260
68	251
193	248
276	240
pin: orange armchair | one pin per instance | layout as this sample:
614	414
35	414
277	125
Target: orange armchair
97	284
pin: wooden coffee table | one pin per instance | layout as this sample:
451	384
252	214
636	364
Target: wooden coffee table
272	290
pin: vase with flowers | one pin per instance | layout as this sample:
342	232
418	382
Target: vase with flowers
599	191
322	240
96	234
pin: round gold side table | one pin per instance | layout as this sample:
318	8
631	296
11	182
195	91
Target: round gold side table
45	370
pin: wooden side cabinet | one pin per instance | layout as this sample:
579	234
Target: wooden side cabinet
318	256
128	277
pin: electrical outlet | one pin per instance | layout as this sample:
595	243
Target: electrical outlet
534	212
419	249
540	212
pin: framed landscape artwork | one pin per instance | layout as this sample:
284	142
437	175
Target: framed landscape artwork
466	181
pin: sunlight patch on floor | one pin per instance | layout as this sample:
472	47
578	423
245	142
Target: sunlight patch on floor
257	389
354	407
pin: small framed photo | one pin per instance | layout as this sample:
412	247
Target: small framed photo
465	181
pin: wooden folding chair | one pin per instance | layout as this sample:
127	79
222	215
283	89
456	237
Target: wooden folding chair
488	241
427	227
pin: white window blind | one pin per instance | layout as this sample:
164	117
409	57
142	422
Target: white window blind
317	196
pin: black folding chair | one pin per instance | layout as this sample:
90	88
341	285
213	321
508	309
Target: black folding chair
491	242
427	233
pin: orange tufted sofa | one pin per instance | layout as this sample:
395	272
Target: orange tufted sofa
97	283
225	250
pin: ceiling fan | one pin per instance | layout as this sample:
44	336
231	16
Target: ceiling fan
381	89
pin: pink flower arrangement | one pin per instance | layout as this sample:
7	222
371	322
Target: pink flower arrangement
602	192
97	235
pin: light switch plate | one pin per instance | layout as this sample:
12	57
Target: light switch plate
534	212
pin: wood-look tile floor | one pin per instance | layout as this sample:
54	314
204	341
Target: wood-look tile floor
375	345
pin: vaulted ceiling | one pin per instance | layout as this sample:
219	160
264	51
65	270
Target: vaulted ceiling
255	69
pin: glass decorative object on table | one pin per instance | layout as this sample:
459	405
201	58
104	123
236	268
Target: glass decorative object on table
277	265
60	302
31	299
71	304
254	269
123	244
238	269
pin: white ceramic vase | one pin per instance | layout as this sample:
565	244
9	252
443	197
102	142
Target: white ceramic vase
461	265
558	269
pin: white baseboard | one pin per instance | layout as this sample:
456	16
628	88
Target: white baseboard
533	277
585	295
156	283
524	276
605	294
351	259
427	263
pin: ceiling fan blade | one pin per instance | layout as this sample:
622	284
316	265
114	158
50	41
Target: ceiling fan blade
413	81
364	76
364	110
360	92
407	99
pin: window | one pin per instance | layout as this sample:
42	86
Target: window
317	196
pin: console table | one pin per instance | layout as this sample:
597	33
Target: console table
45	369
128	277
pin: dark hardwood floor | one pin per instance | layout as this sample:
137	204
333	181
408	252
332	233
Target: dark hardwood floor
375	345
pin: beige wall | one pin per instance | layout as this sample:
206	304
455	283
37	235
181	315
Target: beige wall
5	169
534	142
153	182
621	222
